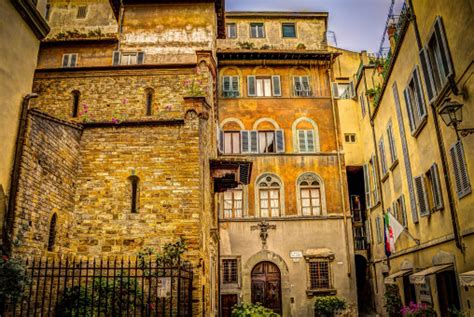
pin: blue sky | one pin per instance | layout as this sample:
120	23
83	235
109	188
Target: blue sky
358	24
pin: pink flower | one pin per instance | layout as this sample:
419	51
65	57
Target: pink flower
124	101
115	121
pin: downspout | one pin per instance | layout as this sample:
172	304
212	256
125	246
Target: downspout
442	151
339	163
15	174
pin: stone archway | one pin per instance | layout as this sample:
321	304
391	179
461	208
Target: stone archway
267	256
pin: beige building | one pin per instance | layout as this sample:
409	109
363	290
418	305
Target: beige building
22	26
276	110
415	166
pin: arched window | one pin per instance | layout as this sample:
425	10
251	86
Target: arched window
269	196
149	101
305	136
76	95
311	200
52	232
134	181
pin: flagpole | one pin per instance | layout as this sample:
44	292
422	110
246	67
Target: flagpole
417	241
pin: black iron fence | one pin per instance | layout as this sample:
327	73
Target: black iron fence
104	287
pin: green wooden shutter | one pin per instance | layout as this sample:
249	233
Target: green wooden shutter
251	89
276	85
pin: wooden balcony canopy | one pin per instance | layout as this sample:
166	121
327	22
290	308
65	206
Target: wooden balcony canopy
229	173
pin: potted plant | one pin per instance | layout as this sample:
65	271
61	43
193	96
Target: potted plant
329	306
393	301
251	310
417	310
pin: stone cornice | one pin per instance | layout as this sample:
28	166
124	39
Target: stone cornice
32	17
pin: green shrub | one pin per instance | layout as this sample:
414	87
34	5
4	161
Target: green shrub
393	301
329	305
252	310
13	279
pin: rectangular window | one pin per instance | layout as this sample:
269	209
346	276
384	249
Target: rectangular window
420	191
231	30
306	141
301	86
319	275
368	201
373	180
415	102
266	142
391	143
128	58
436	61
399	211
231	142
257	30
233	203
249	141
379	229
344	90
382	156
230	271
269	202
230	86
362	103
69	60
463	184
310	197
349	137
434	188
288	30
81	12
264	86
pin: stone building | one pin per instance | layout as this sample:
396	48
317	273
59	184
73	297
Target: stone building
277	234
414	166
120	150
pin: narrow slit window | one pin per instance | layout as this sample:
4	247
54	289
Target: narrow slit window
134	180
52	232
149	102
76	95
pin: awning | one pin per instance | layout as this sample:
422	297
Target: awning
420	277
392	277
467	278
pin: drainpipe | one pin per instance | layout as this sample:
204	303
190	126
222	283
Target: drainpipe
442	151
341	183
15	175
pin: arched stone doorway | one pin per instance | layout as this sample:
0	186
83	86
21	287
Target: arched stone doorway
267	256
266	286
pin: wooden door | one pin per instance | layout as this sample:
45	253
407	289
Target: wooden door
227	302
266	286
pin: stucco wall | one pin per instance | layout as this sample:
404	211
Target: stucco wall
310	32
237	239
18	51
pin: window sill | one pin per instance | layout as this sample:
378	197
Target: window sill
325	291
467	193
394	164
420	127
384	177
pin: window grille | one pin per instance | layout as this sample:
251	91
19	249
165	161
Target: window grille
81	12
319	274
230	272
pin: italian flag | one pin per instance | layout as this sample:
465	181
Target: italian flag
393	229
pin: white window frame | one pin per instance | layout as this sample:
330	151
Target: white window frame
302	86
263	179
68	58
308	138
229	27
310	178
259	31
